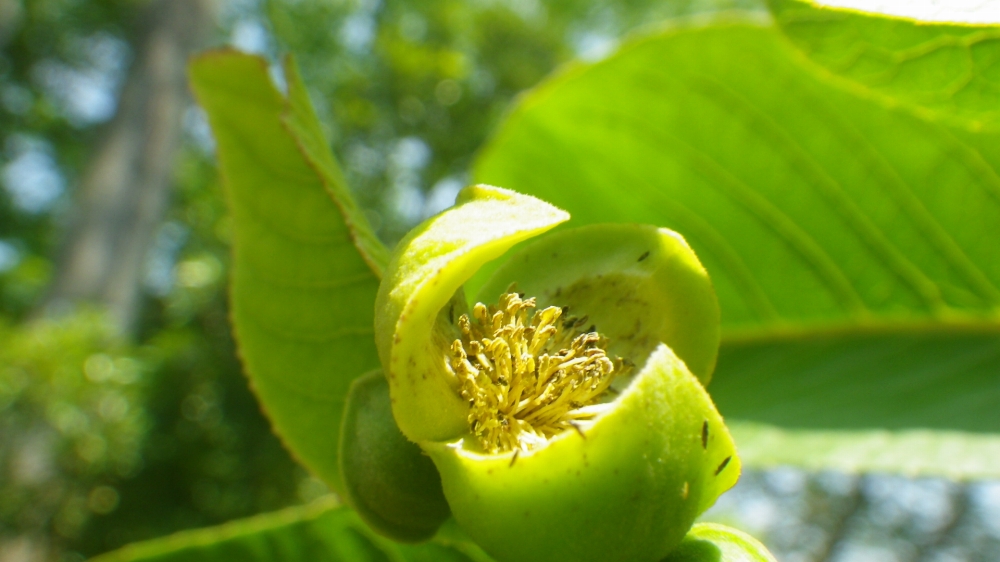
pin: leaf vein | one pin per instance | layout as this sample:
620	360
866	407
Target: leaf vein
831	190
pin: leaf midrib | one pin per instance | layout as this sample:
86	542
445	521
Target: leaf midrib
801	331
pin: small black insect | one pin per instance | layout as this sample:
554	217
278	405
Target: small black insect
644	255
721	466
704	435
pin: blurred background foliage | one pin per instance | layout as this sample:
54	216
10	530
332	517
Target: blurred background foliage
115	425
126	419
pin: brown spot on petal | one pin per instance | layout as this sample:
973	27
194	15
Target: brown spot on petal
722	466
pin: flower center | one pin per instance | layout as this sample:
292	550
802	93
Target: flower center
528	381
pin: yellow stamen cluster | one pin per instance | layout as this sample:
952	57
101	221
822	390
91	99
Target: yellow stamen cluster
528	381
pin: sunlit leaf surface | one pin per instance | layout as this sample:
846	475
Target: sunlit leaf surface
952	70
302	292
855	246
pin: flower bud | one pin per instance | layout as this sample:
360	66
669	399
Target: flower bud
392	485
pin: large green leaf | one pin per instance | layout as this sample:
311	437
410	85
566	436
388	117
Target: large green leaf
855	247
948	69
305	264
321	532
914	404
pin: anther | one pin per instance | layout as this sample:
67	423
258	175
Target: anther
527	380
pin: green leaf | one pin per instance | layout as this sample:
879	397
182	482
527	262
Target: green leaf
305	264
824	217
916	404
710	542
320	532
948	69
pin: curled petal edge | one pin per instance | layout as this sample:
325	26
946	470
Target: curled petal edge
426	271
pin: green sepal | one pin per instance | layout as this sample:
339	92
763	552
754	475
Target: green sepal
387	479
711	542
639	285
425	271
627	486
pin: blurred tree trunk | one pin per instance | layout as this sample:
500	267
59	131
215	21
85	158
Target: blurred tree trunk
124	191
10	14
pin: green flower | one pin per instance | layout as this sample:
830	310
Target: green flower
565	410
